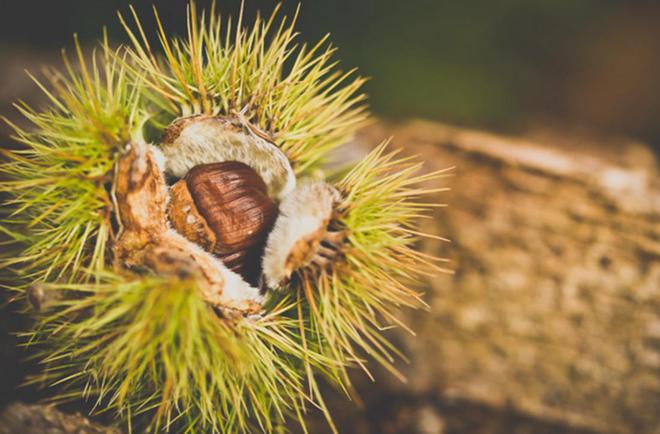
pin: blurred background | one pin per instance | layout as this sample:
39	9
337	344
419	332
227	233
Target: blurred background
507	64
551	321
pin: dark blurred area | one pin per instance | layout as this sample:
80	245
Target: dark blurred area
509	65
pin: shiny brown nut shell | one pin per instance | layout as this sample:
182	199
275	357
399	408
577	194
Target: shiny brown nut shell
225	209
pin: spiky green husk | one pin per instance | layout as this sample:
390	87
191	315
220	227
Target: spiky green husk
291	92
352	304
151	349
153	346
59	208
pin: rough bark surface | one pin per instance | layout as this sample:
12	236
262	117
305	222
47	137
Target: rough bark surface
43	419
554	307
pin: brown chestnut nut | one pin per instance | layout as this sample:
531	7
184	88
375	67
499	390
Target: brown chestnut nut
225	209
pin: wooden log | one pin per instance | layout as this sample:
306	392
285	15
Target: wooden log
554	306
40	419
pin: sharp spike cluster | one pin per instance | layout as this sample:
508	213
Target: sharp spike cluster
148	347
